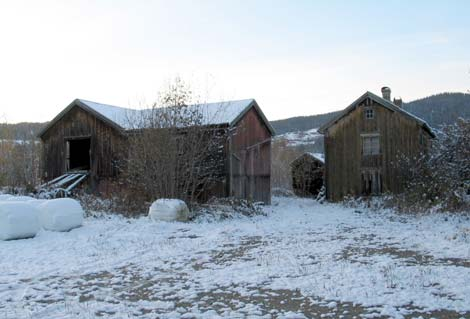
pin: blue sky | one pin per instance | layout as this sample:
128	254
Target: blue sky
294	57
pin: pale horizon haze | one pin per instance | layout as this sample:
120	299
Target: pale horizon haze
294	57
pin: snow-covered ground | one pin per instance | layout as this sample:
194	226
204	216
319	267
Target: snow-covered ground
303	259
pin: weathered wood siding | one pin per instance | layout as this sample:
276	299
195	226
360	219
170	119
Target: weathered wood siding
345	163
246	172
250	160
105	144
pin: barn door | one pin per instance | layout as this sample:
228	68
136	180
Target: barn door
371	182
237	180
67	156
250	174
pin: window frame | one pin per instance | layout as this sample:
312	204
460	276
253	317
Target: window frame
369	113
370	144
421	139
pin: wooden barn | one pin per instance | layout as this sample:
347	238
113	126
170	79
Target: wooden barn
363	143
308	174
88	138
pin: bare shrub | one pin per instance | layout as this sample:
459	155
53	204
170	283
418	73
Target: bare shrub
174	151
440	178
126	203
19	160
218	209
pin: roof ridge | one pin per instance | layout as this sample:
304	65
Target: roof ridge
193	104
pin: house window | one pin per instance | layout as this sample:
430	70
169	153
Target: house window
371	145
369	113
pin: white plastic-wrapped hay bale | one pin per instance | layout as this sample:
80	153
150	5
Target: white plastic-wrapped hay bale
169	210
18	220
36	202
61	214
20	198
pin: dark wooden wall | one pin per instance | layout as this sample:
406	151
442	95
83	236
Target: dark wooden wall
106	144
247	153
345	164
250	159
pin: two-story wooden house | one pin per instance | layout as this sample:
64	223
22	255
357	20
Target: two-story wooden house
363	143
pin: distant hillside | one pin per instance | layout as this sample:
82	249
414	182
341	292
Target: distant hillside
444	108
437	110
302	123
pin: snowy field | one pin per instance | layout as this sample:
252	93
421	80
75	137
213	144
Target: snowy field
308	137
303	259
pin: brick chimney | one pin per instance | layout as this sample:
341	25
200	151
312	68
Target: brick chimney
386	93
398	102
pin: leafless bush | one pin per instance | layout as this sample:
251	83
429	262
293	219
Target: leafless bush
19	161
440	178
174	151
126	203
218	209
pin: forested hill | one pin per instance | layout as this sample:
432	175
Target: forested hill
437	109
441	109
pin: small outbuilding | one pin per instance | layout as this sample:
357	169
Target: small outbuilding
308	174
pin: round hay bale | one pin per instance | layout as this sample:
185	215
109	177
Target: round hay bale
18	220
62	214
169	210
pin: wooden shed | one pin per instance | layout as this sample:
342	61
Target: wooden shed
308	174
363	143
89	136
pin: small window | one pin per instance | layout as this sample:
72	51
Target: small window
371	145
421	139
369	113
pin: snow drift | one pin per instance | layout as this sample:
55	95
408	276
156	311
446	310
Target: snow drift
18	220
61	214
4	197
169	210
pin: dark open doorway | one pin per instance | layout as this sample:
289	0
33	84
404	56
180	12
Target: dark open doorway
79	154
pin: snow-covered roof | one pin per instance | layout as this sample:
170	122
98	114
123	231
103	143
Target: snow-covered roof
226	112
388	104
317	156
213	113
119	115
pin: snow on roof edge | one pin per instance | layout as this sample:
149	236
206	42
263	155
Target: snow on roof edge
318	156
224	112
